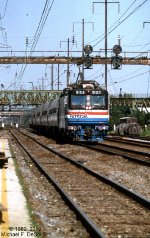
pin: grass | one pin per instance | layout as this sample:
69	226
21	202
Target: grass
146	132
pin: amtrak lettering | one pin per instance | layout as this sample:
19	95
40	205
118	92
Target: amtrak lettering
78	116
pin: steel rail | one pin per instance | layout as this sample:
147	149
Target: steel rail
136	143
121	188
132	151
81	215
134	159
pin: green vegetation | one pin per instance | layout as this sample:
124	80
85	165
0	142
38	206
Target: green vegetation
116	112
146	131
143	118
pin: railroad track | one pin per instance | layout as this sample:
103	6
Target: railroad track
132	155
111	208
144	138
42	165
129	141
147	138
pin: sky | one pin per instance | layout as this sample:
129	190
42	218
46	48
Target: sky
48	24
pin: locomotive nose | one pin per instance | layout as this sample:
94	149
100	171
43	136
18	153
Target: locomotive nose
88	132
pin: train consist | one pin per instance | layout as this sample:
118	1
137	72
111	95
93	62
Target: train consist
79	113
128	126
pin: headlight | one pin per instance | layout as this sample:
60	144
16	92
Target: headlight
72	128
103	127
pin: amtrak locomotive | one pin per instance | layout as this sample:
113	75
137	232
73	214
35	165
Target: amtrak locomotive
80	113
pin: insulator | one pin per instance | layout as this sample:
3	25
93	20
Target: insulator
73	40
27	41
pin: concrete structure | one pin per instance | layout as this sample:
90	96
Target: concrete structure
15	220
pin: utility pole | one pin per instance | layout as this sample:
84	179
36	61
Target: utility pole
83	47
106	43
42	79
52	77
83	23
106	3
145	22
32	85
68	71
58	75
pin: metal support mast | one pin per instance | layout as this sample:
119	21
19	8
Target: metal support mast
68	72
83	47
52	77
58	76
106	43
106	3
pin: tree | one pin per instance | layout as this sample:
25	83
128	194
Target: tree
118	111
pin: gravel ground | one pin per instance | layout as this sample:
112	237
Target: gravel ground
136	177
48	209
132	175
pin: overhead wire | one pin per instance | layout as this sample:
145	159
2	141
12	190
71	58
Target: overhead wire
120	22
130	77
139	33
23	68
2	29
113	82
43	19
40	28
103	35
4	34
56	79
125	76
38	32
95	72
148	81
132	72
5	9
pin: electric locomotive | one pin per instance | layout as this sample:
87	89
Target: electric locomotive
87	111
80	113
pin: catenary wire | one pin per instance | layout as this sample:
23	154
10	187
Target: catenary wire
120	22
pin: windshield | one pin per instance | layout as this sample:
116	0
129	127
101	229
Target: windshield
81	101
78	101
98	101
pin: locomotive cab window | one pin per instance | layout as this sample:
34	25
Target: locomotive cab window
78	101
98	101
81	101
